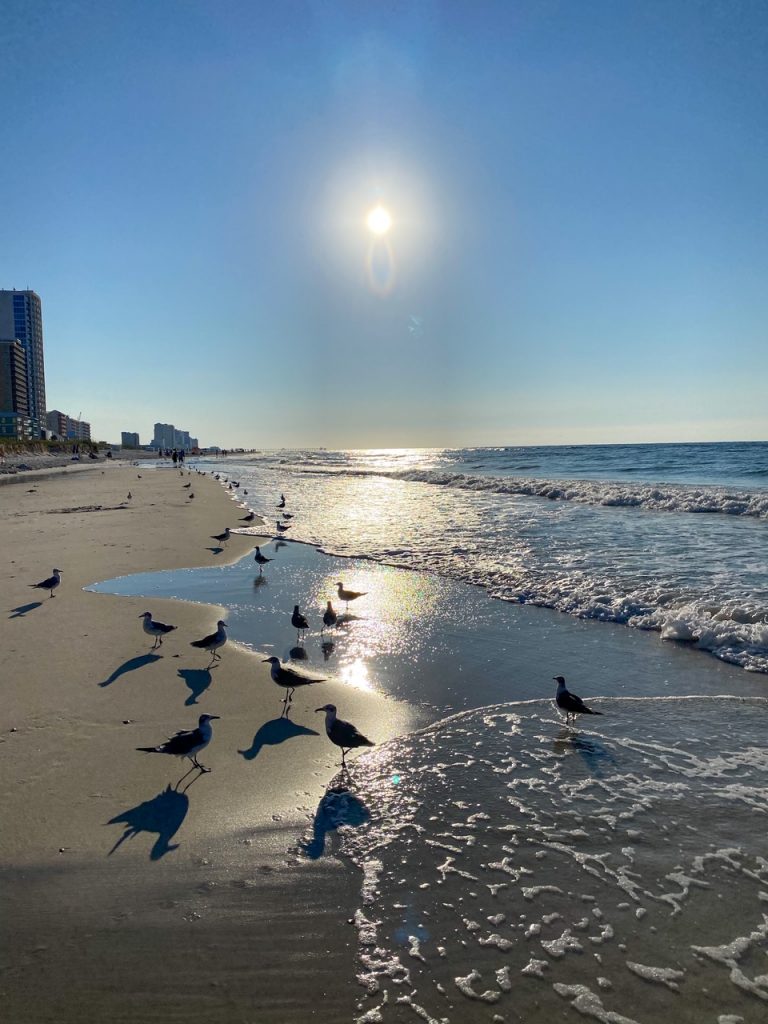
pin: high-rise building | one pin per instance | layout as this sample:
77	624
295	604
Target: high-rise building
129	439
66	427
164	435
21	318
15	420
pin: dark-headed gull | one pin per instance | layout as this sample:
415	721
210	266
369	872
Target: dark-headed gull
187	743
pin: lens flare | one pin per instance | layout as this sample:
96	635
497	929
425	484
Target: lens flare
379	220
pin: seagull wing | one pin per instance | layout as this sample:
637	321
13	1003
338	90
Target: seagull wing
205	642
346	735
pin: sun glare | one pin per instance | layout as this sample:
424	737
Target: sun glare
379	220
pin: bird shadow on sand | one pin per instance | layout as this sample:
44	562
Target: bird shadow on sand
198	680
595	755
215	551
338	807
130	666
24	609
163	814
277	730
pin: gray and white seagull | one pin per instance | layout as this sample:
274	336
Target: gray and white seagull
289	678
222	538
213	642
342	733
187	743
260	560
50	584
154	628
570	703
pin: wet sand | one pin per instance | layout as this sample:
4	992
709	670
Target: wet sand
198	910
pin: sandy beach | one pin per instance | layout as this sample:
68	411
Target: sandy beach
202	907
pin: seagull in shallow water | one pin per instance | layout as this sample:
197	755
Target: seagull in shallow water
281	504
154	628
570	703
329	617
349	595
213	642
260	560
222	538
289	678
299	622
50	584
281	528
342	733
187	743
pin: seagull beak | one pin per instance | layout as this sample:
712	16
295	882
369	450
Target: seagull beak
214	716
319	709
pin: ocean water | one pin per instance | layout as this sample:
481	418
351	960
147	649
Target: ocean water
668	538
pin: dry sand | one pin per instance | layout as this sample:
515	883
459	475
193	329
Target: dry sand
202	910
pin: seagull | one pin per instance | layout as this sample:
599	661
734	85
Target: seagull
187	743
329	617
287	515
349	595
222	538
298	622
249	518
213	642
129	496
281	528
289	677
260	560
570	703
191	496
282	502
50	584
186	486
155	629
342	733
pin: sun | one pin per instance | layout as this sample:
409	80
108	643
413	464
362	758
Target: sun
379	220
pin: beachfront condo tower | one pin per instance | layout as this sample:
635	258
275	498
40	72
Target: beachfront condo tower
21	318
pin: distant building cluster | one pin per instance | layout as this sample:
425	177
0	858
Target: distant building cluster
129	440
167	437
23	412
67	428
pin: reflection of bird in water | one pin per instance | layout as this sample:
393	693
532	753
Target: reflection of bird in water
337	807
213	642
327	647
342	733
50	584
260	560
329	617
289	678
187	743
596	755
349	595
154	628
299	622
570	703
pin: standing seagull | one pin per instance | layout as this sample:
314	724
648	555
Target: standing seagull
260	560
155	629
213	642
298	622
282	502
342	733
289	678
349	595
281	528
187	743
329	617
222	538
50	584
570	703
248	518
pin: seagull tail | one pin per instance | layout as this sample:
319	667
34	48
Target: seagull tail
591	712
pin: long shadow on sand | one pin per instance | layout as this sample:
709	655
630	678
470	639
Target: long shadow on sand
198	680
23	609
338	807
130	666
277	730
164	814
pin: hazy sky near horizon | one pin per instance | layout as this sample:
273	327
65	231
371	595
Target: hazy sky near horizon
579	249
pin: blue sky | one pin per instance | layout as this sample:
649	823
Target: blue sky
580	240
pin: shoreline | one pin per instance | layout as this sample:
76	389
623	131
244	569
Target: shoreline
89	912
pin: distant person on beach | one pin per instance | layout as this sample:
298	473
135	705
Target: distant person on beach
175	457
